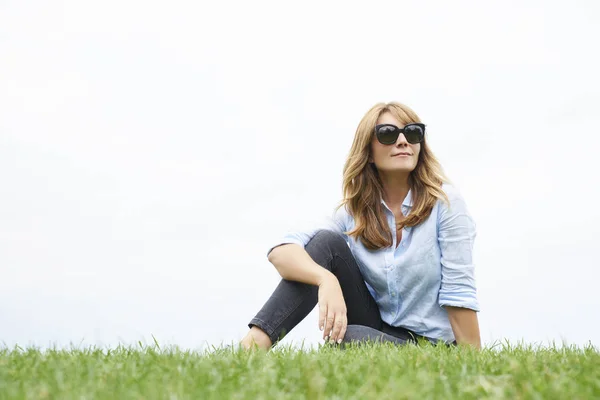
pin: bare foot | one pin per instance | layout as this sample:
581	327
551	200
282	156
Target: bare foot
258	337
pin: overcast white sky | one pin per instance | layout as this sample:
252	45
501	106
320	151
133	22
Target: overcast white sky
152	152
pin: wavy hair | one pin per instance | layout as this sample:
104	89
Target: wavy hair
363	190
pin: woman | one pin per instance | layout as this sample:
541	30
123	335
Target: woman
395	261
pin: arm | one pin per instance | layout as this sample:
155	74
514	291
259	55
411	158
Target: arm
458	294
295	264
464	325
291	259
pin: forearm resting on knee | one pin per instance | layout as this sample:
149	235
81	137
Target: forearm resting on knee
295	264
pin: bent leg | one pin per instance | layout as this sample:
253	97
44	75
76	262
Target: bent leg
292	301
392	334
362	334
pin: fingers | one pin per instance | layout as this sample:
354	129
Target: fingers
343	331
339	327
328	324
322	314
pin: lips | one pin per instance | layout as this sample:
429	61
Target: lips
401	154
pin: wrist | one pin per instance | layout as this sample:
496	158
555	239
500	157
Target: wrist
324	276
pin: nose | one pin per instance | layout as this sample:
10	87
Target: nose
401	141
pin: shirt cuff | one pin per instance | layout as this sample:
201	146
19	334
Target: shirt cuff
287	241
463	301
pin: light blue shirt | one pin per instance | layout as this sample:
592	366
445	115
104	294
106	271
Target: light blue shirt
432	266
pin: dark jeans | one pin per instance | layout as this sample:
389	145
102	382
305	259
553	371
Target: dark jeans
292	301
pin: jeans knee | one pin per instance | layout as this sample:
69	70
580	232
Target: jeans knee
329	237
326	243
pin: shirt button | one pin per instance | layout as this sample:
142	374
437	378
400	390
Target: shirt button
393	294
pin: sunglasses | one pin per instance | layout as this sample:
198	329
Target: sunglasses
388	133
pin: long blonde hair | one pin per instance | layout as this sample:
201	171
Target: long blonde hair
363	190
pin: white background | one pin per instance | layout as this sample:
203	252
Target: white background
152	152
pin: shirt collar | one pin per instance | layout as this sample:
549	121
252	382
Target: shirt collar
407	200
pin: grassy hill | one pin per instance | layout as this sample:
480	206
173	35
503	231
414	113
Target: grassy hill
378	371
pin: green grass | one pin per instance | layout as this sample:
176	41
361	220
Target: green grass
380	371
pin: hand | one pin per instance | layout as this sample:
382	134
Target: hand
332	309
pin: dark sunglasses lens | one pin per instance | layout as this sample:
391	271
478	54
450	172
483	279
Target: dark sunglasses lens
413	133
387	134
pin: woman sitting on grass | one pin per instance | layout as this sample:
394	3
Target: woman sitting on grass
395	261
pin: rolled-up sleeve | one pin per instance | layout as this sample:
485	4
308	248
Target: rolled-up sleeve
456	236
337	222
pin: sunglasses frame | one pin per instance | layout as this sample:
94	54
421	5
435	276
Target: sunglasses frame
400	130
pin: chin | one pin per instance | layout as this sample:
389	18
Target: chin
399	169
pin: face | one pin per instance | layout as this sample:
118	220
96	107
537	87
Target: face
385	155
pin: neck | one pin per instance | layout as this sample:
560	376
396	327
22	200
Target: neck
395	188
